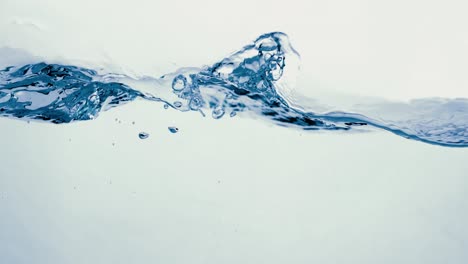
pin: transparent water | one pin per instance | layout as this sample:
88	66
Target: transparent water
248	188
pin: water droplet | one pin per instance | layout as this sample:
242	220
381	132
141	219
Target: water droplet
173	129
143	135
133	122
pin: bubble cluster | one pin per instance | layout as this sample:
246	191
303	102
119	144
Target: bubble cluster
248	74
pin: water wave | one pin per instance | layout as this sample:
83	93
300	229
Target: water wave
257	79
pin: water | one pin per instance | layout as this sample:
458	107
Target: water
257	79
242	189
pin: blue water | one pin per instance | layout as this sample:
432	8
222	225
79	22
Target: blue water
255	79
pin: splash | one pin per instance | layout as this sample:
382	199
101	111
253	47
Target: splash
257	79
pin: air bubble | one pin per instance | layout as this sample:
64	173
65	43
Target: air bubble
143	135
261	85
179	83
275	73
217	113
173	129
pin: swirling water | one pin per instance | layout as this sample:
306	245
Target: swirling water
257	79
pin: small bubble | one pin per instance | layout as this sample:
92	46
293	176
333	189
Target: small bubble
143	135
179	83
217	113
94	99
166	106
178	104
196	103
173	129
233	114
